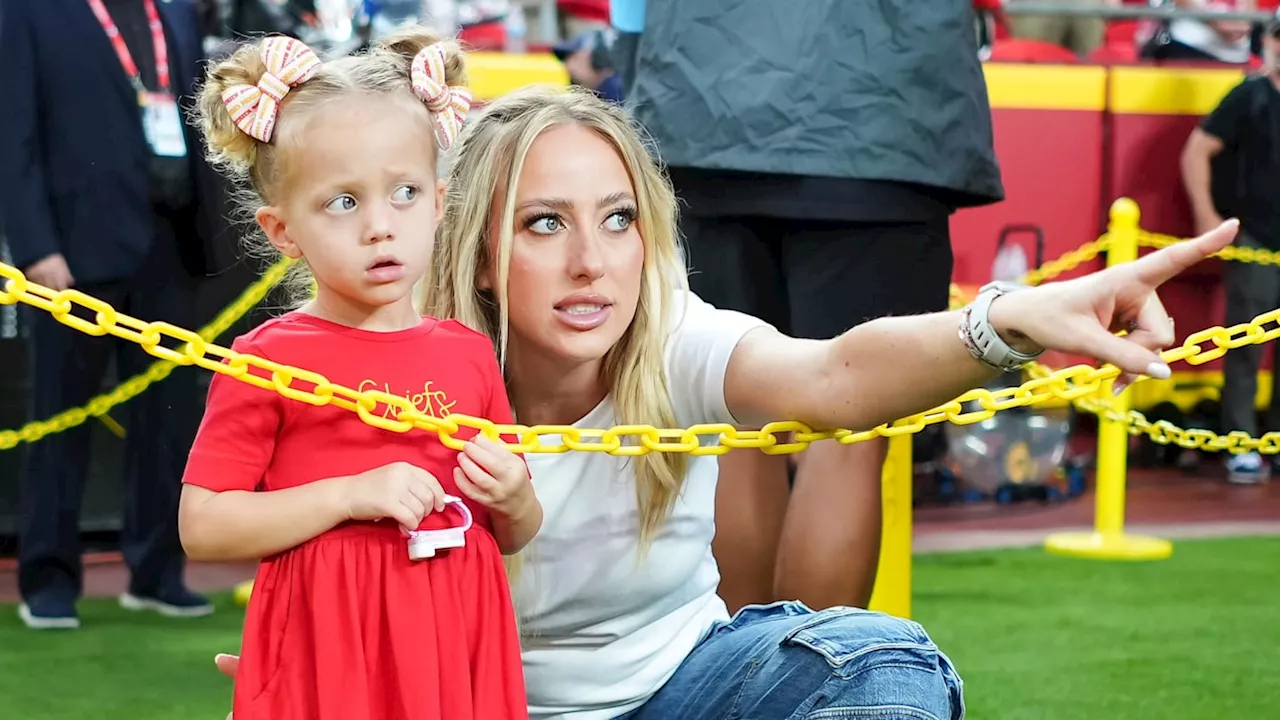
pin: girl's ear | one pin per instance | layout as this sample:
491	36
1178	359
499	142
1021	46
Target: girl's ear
440	188
272	223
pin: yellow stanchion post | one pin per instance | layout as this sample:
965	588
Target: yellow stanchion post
892	592
1108	540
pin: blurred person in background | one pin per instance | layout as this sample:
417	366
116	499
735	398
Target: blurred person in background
1231	168
819	149
627	20
1190	39
1079	34
588	59
103	189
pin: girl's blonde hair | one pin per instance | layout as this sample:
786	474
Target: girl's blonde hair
487	160
258	169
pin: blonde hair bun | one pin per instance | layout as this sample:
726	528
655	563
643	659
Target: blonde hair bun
407	43
227	145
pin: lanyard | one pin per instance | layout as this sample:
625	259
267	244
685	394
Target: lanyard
122	50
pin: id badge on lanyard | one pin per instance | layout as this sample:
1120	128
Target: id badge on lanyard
161	119
162	124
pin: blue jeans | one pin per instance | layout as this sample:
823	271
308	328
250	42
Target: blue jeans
786	662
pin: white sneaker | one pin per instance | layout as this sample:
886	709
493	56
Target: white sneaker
47	622
1246	469
183	605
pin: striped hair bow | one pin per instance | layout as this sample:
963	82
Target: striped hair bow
448	104
253	108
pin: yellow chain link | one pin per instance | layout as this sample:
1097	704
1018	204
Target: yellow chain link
136	385
1166	433
1069	384
1068	261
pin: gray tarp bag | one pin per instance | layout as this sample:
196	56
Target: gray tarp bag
883	90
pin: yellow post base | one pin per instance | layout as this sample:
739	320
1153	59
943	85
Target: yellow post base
1108	546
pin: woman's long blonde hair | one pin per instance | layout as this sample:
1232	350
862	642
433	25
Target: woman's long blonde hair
488	159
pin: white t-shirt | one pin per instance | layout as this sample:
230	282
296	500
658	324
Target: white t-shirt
603	633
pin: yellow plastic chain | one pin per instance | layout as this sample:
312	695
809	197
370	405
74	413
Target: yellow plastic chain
1068	384
1068	261
102	404
1166	433
138	384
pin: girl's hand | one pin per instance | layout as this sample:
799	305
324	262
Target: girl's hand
228	665
401	491
1081	316
493	476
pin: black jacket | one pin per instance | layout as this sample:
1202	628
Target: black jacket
74	163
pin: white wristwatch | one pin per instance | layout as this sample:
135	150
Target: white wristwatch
981	338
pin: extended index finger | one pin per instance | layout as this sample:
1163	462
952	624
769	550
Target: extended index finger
1159	267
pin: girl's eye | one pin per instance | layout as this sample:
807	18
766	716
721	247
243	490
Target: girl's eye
342	203
405	193
546	225
619	221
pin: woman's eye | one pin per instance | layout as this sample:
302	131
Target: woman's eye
546	225
342	203
618	222
405	193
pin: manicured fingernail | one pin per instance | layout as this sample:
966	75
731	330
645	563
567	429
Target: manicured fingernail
1118	388
1159	371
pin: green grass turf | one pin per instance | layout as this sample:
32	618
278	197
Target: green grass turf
119	665
1036	638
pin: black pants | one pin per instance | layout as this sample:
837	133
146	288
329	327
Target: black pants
1252	289
67	369
818	278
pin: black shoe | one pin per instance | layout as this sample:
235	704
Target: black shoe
45	614
175	602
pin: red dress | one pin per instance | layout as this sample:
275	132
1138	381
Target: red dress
346	626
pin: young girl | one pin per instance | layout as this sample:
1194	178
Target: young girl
352	618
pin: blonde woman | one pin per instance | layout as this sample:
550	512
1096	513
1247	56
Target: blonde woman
559	242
